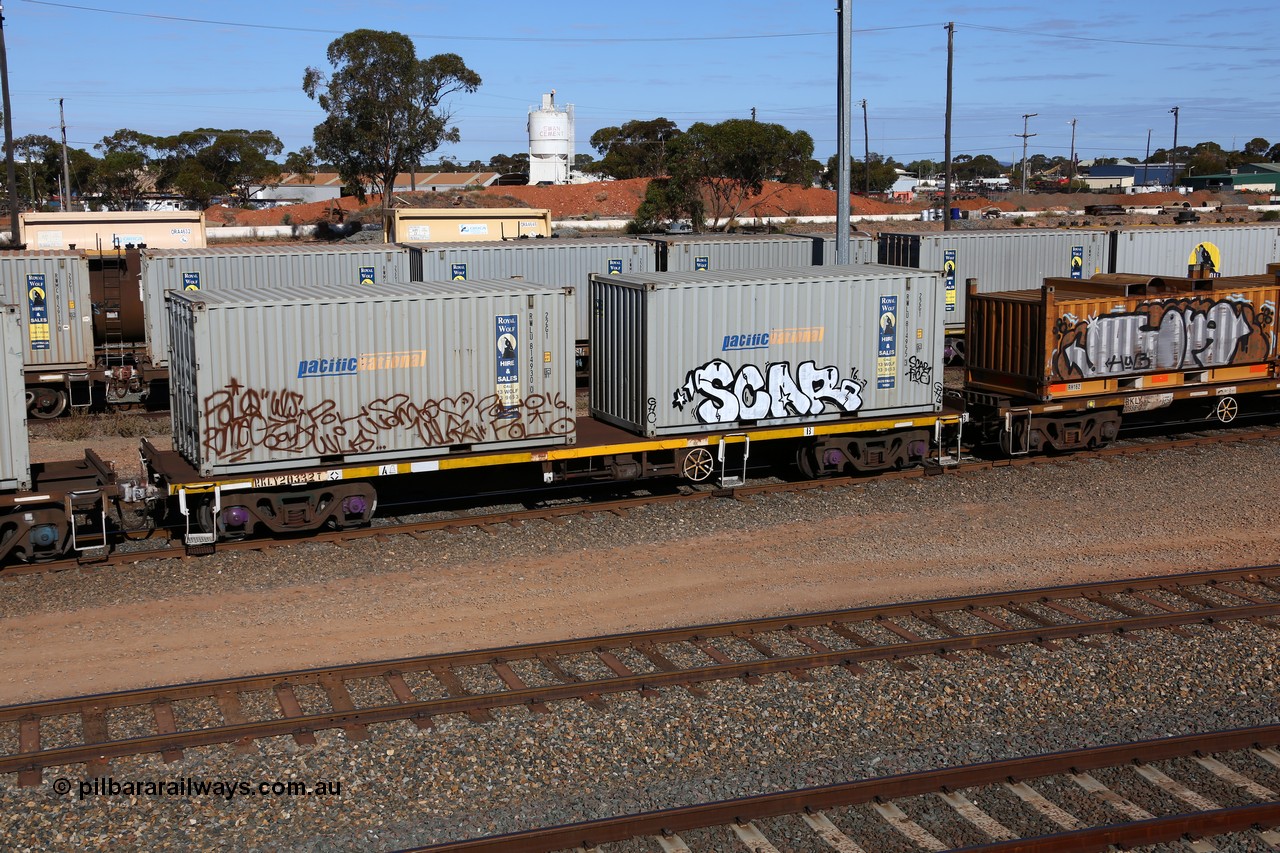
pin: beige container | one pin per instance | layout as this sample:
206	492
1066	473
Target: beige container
453	224
94	231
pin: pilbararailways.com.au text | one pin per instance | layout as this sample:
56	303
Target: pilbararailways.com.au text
187	786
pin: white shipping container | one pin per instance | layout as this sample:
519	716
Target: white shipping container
1221	249
15	455
715	351
712	252
354	266
326	376
561	262
51	290
1013	259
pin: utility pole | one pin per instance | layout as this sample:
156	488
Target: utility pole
11	177
1071	167
753	113
866	152
1025	136
1173	172
844	83
946	173
66	173
1146	158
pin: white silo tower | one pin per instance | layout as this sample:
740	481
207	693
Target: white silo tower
550	142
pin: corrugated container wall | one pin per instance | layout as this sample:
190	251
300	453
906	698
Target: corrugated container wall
862	248
15	458
999	260
355	267
699	252
563	262
51	290
1228	249
454	224
321	376
96	231
715	351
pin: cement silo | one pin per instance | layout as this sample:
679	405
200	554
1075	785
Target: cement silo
550	142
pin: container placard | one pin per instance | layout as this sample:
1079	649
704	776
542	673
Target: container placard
949	275
1077	261
887	348
474	228
191	281
615	266
702	262
458	272
418	233
366	276
37	311
507	372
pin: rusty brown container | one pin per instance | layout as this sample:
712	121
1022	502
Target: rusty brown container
1121	333
119	314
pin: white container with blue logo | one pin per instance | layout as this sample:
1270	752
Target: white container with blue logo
323	376
691	352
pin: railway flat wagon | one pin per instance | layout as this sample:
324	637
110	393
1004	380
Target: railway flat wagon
1066	361
710	351
319	377
1200	249
52	292
356	267
999	260
563	262
711	252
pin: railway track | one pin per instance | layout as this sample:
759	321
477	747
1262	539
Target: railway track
995	801
492	521
93	730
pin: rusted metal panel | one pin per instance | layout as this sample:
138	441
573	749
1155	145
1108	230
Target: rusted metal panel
1113	333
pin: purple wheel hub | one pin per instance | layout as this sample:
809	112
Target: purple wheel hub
235	516
355	505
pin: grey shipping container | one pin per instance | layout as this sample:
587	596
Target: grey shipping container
51	290
324	376
562	262
15	455
355	266
862	248
714	351
1222	249
697	252
1000	260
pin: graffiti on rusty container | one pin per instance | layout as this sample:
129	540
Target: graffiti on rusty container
1191	333
721	394
239	419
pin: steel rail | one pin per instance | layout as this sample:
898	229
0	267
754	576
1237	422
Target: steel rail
31	761
659	636
589	834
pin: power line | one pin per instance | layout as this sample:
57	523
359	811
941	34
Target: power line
1187	46
441	37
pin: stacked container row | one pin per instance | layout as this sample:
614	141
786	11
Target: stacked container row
1215	249
355	267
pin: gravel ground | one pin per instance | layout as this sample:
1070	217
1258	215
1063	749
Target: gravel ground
880	542
402	787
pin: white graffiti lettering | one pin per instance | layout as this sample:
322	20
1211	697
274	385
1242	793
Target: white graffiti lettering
750	394
1186	335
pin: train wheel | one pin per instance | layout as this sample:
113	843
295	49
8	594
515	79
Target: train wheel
697	464
46	403
1226	410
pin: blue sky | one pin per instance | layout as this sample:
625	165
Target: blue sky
1116	68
